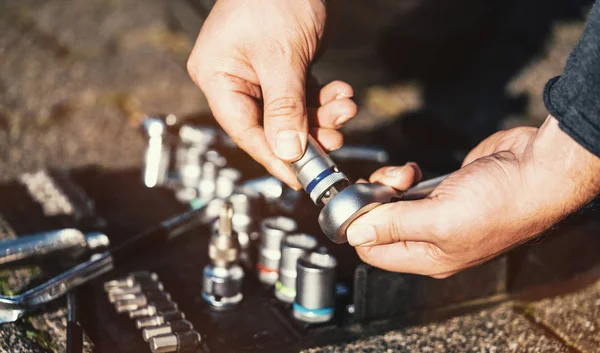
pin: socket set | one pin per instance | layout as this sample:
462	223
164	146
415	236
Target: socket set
142	297
261	275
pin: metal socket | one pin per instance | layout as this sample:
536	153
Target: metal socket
175	342
272	232
154	309
159	319
169	327
292	248
315	287
140	300
131	280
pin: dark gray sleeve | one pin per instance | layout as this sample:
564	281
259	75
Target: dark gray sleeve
574	97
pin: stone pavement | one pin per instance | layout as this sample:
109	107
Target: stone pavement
77	75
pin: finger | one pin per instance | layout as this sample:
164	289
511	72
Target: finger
238	114
396	222
333	114
335	90
400	178
285	115
320	95
329	139
406	257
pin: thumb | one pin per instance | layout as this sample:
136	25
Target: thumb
285	114
395	222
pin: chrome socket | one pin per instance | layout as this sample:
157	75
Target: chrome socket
140	300
222	279
175	342
272	232
318	174
315	288
226	182
292	248
169	327
158	150
120	293
132	279
159	319
153	309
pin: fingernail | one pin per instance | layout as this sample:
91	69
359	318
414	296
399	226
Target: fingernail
287	145
342	120
342	95
394	172
361	235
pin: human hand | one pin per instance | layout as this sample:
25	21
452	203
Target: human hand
513	186
254	52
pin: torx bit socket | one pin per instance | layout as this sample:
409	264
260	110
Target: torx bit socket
153	309
159	319
175	342
140	300
169	327
131	280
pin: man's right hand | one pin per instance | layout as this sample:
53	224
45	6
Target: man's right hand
251	60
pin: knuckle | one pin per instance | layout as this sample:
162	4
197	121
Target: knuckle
285	108
191	67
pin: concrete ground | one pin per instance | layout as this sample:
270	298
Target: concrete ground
77	75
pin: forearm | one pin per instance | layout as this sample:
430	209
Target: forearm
558	162
573	98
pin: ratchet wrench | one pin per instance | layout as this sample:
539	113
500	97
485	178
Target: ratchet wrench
14	307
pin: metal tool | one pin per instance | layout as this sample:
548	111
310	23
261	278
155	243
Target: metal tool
74	330
222	279
169	327
140	300
343	203
67	241
159	319
349	153
157	156
272	232
129	292
226	182
277	195
315	288
175	342
242	221
292	248
14	307
153	309
132	279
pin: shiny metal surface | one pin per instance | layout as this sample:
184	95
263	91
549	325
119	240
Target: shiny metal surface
222	279
315	287
226	182
159	319
14	307
153	309
358	199
169	327
292	248
222	287
348	205
186	341
69	242
272	232
349	153
157	156
316	172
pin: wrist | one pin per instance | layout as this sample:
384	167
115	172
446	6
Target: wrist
566	174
